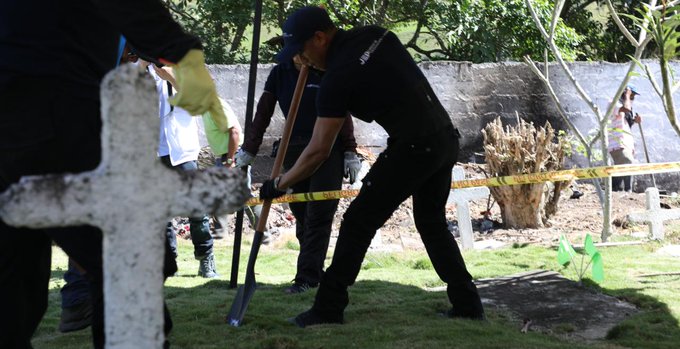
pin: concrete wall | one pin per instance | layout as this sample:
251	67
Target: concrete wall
475	94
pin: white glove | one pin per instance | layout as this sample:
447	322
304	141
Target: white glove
243	158
352	166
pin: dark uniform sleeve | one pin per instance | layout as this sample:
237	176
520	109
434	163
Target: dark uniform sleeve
148	26
349	143
263	116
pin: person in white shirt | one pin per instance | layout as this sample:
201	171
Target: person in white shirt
178	148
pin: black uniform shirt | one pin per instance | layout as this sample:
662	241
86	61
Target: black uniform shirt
75	42
49	46
370	74
281	83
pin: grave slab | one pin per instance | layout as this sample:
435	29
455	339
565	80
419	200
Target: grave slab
554	304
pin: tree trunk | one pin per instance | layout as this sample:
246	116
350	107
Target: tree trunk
520	205
523	149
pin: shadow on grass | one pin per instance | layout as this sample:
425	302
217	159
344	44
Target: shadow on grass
381	314
653	326
384	315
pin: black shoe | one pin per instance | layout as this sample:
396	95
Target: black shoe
576	194
206	267
452	314
311	318
76	318
299	287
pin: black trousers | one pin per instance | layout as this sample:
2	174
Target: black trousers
314	220
420	168
54	132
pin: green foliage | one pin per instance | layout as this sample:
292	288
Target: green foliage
574	146
486	31
221	25
575	15
618	49
663	27
462	30
292	245
422	264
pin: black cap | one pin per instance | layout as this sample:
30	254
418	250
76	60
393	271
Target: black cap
299	27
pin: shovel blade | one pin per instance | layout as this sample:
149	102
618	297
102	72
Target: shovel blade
245	292
235	314
241	301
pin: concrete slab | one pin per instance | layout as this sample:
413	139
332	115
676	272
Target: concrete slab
552	301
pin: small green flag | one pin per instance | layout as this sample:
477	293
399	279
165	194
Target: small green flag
565	252
598	267
589	246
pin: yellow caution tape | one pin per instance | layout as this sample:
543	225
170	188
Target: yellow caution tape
530	178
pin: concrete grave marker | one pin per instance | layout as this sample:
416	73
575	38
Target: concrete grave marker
655	215
461	198
130	196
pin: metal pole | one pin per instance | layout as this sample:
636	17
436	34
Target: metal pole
252	80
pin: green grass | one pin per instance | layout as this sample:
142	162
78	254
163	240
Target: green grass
389	306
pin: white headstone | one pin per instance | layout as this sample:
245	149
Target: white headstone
130	196
655	215
461	198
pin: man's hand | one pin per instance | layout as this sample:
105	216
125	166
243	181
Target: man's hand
270	189
638	119
243	158
196	90
352	166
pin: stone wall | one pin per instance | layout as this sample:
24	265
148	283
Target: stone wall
475	94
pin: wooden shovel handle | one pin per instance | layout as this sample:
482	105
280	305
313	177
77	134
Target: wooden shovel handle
285	138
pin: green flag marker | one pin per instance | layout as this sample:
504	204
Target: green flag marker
598	267
565	252
589	246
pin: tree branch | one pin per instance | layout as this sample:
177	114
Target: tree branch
652	80
619	24
556	16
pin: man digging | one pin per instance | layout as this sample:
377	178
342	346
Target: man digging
369	73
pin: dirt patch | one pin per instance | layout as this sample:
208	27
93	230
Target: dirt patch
544	301
575	217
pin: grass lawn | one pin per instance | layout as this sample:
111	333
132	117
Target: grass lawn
389	306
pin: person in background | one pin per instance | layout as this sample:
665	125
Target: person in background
314	220
76	306
223	144
621	143
368	72
54	56
178	148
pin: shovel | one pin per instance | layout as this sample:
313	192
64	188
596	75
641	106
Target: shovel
246	291
644	146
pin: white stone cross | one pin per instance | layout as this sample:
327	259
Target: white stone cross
462	197
655	215
130	196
